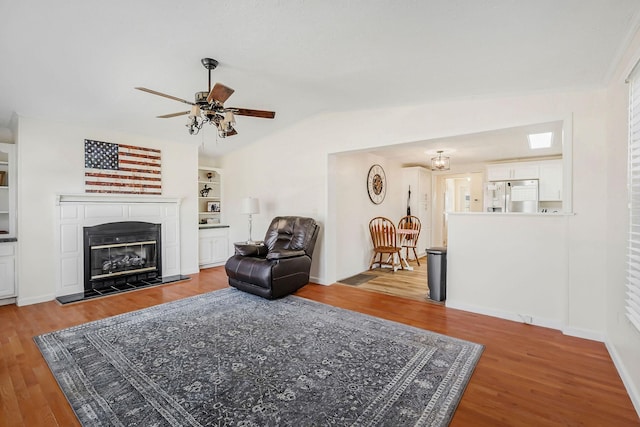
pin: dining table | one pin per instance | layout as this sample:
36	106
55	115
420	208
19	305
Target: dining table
404	233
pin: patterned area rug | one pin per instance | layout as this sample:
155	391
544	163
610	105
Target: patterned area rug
228	358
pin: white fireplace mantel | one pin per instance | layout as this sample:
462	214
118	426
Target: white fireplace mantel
76	211
114	198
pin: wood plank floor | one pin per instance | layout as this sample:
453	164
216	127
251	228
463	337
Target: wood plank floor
527	375
404	283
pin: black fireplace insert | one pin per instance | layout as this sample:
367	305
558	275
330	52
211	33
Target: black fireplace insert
119	255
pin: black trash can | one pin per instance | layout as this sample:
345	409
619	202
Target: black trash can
437	273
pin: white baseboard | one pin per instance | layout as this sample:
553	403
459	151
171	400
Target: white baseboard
583	333
537	321
632	391
35	300
318	280
515	317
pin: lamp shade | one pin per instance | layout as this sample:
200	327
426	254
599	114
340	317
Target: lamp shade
250	205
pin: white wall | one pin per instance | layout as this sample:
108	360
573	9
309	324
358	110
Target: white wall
354	209
51	161
512	266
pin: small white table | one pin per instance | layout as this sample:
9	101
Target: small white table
404	232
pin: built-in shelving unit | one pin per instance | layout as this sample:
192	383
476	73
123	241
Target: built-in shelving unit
7	191
8	243
209	196
213	248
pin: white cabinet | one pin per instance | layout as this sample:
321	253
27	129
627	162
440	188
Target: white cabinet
550	187
419	179
213	248
209	195
7	270
507	171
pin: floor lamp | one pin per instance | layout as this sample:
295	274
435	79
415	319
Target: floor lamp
250	206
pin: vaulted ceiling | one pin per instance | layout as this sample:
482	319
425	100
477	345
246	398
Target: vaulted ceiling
78	61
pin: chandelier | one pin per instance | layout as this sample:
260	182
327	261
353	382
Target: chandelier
200	116
440	162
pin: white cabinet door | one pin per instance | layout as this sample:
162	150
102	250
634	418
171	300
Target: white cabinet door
507	171
418	179
219	249
7	270
498	173
213	247
205	250
551	181
524	172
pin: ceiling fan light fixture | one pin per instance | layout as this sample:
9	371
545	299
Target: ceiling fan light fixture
209	107
195	112
228	122
440	162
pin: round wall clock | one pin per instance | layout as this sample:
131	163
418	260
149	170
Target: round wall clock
376	184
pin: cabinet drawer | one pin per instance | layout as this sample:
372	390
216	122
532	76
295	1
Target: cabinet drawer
7	249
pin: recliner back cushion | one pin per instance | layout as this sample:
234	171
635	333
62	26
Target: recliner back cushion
290	233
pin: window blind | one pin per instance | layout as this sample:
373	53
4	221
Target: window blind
632	299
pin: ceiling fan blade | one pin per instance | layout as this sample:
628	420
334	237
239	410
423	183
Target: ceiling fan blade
253	113
219	93
153	92
167	116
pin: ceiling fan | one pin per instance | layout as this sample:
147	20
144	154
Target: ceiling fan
208	107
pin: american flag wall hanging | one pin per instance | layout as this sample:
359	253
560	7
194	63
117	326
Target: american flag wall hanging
122	169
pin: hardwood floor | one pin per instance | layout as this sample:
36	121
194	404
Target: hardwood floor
404	283
527	375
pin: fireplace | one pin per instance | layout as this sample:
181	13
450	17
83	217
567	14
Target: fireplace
120	256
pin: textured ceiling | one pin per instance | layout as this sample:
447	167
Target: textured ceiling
79	60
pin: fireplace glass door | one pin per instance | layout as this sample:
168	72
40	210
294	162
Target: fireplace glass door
122	259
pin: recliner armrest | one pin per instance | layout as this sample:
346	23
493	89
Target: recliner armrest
251	250
283	254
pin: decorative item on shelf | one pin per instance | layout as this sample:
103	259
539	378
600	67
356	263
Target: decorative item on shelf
205	191
440	163
210	175
213	206
250	206
3	177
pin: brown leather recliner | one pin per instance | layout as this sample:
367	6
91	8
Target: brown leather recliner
282	265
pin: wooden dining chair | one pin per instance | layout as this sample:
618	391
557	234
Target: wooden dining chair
410	241
383	235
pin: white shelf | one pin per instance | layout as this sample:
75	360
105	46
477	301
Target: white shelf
213	196
4	212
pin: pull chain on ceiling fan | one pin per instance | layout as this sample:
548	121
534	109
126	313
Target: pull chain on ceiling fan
209	107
